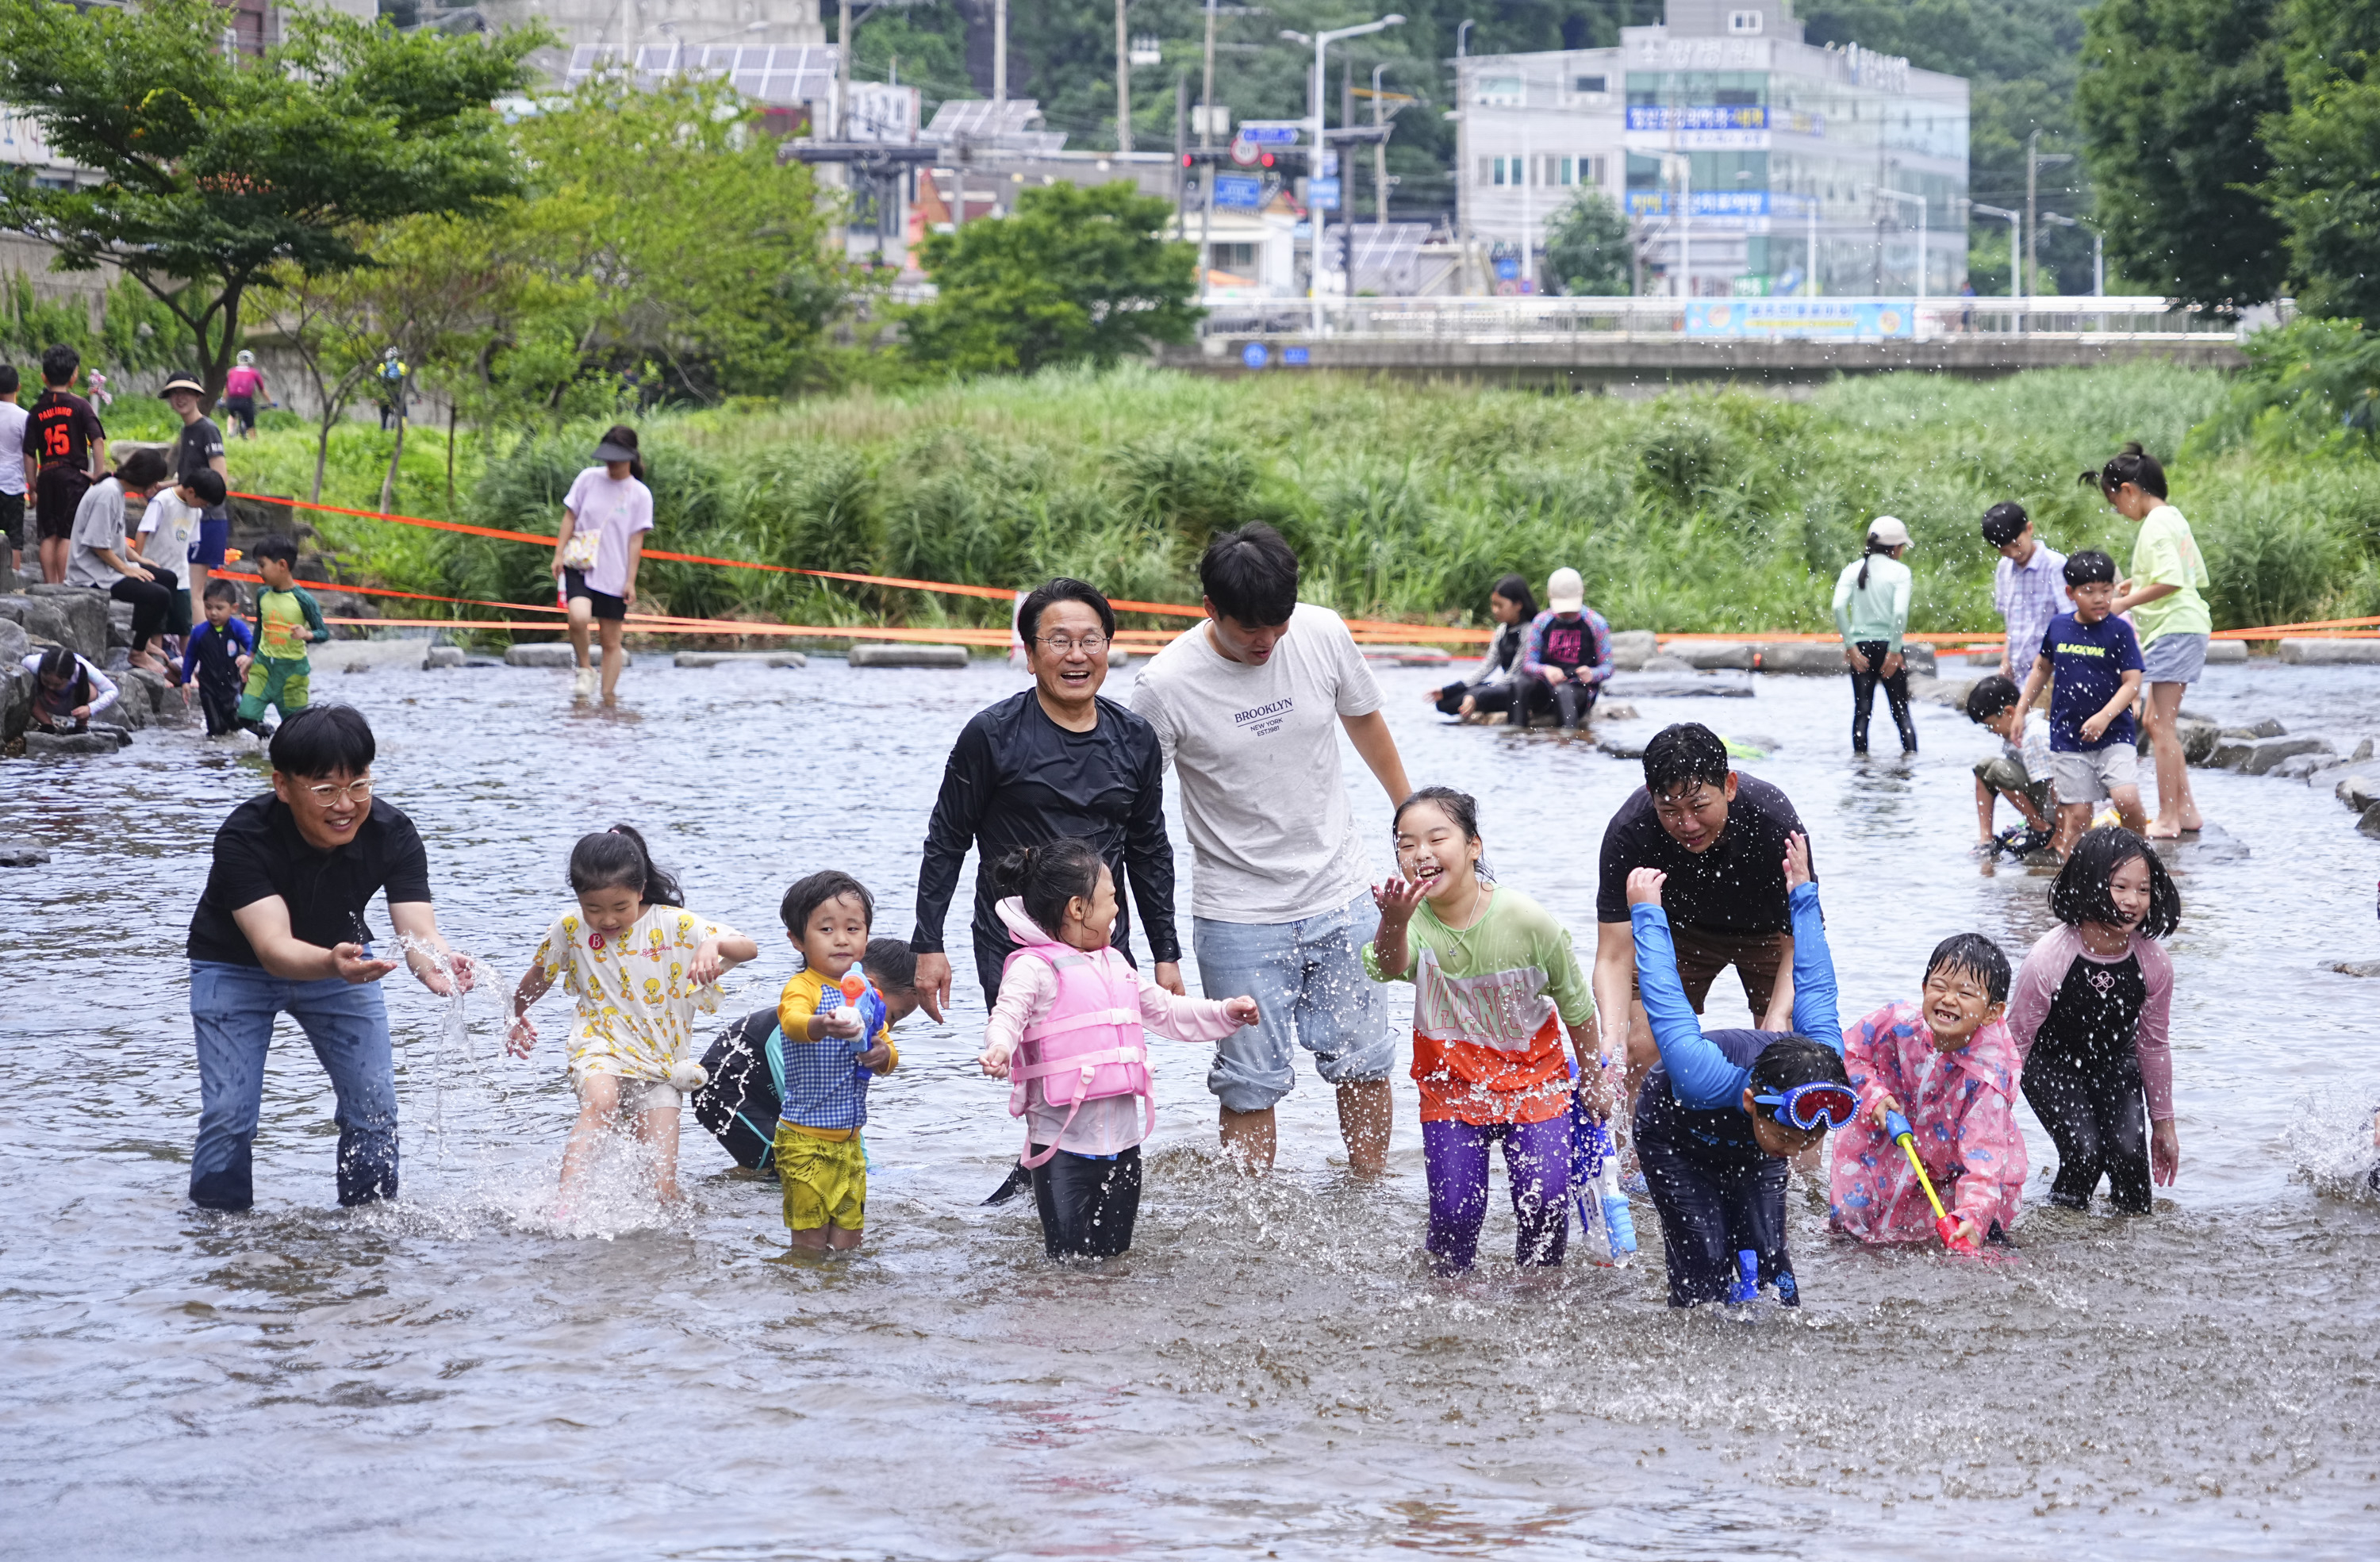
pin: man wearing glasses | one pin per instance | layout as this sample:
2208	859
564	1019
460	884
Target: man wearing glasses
1721	837
281	929
1053	761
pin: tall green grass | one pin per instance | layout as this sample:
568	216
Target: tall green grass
1698	510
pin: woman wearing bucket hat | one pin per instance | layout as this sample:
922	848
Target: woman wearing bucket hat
604	519
1566	657
1871	612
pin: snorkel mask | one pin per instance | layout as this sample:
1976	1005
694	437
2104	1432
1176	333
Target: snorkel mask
1820	1103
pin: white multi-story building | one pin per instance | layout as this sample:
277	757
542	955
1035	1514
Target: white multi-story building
1747	161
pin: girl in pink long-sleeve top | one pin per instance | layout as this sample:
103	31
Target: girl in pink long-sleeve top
2089	1014
1947	1065
1072	1015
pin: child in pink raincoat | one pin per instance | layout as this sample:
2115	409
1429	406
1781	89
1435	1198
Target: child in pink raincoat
1950	1066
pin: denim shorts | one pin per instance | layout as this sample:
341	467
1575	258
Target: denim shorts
2173	658
1308	980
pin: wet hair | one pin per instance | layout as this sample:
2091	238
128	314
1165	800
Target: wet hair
59	661
281	549
1046	877
1683	754
2004	523
2088	566
621	435
143	470
1515	589
1250	575
2132	465
1972	954
221	590
59	364
617	858
324	740
809	894
2080	895
1460	807
9	380
892	964
1063	588
207	484
1990	697
1795	1059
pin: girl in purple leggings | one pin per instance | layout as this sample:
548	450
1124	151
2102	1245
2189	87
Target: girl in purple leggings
1492	972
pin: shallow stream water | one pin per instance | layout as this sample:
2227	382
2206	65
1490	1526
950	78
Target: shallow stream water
1271	1371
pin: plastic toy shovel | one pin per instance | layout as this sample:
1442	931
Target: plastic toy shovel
1945	1227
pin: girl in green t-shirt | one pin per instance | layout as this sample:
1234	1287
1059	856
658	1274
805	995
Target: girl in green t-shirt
2165	597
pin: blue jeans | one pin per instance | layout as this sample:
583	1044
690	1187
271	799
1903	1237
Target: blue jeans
232	1008
1308	978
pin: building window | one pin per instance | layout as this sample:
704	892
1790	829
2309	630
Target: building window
1238	258
1500	90
1743	24
1500	170
1588	84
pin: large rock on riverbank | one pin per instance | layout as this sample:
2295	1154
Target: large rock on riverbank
41	620
2323	651
83	612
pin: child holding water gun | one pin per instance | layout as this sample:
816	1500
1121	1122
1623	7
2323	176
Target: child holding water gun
2089	1017
641	967
1717	1121
836	1039
1947	1066
1492	973
1068	1032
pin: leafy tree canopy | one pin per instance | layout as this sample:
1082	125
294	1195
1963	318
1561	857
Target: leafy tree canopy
1077	274
1586	246
213	167
2325	183
2172	93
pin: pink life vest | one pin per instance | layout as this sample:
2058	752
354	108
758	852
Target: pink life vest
1088	1046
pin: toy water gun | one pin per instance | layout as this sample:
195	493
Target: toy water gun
1595	1175
855	992
1745	1287
1896	1128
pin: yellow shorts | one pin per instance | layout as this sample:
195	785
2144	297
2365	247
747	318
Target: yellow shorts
825	1180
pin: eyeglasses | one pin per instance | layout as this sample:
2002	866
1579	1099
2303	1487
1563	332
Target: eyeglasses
1806	1106
357	790
1063	644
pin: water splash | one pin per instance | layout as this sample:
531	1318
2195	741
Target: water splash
2329	1142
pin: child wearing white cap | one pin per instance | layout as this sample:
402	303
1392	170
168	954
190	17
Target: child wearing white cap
1567	657
1871	612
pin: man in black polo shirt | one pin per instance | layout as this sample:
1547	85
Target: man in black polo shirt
1721	837
1054	761
281	928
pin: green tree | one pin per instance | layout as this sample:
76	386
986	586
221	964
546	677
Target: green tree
2325	149
214	168
2170	96
1586	246
1076	274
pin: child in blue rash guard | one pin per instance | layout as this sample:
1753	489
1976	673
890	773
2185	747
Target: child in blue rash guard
1718	1116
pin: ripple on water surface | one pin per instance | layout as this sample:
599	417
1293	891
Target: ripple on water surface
474	1371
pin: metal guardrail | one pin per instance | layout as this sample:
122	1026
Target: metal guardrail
1493	320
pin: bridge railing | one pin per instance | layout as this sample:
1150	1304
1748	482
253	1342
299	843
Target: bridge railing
1491	320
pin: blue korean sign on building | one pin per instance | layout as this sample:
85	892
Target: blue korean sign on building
1239	192
1700	203
1322	194
1699	116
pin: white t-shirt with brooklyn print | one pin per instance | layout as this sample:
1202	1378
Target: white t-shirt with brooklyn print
1256	751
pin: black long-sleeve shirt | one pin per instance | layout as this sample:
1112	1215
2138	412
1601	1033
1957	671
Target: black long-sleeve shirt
1015	778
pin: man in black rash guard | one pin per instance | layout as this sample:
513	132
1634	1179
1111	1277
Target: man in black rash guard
1054	761
1721	837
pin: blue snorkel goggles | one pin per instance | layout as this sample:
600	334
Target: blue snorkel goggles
1820	1103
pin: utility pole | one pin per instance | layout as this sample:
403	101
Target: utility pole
1123	83
1206	165
1181	145
2033	160
1381	156
999	62
1463	173
842	70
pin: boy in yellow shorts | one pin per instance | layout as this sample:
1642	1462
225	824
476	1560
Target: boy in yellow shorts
832	1048
287	621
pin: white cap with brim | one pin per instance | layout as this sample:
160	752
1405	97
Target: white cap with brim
1565	592
1889	530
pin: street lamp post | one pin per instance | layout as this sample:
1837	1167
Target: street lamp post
2098	251
2015	219
1317	85
1919	201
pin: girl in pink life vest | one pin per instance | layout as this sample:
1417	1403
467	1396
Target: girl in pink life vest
1947	1064
1067	1033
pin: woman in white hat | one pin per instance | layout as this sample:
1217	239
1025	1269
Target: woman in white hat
604	519
1871	612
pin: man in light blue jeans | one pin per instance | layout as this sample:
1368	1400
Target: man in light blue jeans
1248	707
281	929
